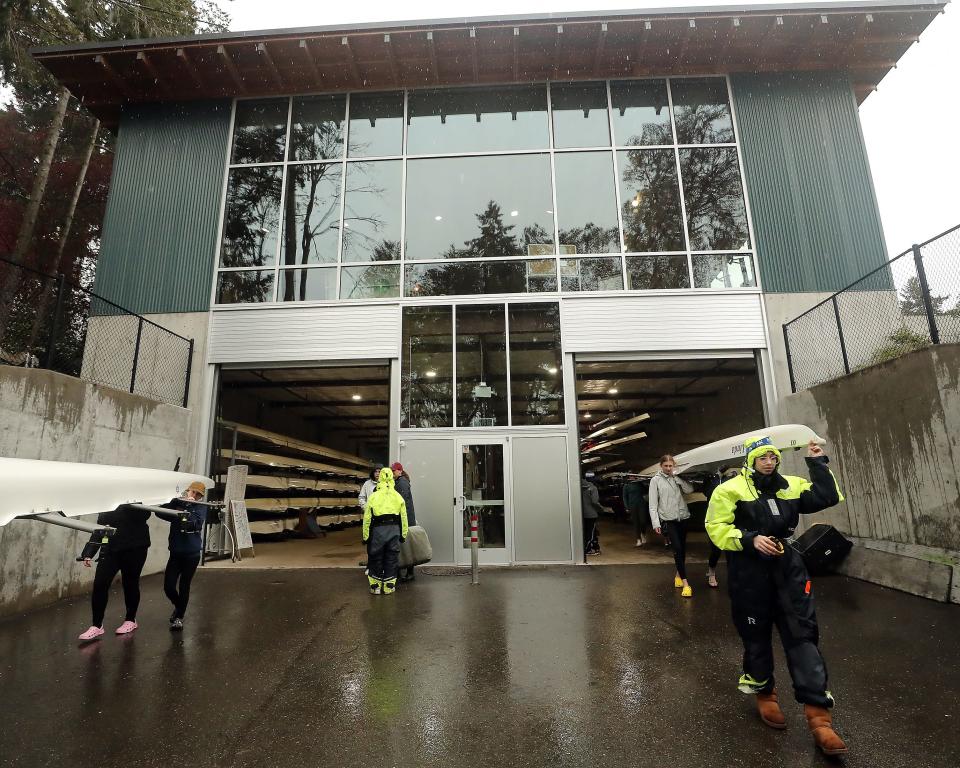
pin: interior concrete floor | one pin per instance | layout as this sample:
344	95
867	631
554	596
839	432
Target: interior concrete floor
566	666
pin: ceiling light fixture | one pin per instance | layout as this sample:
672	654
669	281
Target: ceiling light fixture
612	391
514	213
431	374
551	370
438	218
357	397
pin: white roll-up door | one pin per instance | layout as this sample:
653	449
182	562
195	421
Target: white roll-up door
667	322
281	334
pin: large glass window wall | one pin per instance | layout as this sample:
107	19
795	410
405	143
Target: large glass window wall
622	185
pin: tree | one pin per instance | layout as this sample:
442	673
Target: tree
911	299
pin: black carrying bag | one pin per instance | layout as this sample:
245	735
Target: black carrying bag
823	548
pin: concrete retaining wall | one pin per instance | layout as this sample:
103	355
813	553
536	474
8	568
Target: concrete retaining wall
46	415
893	433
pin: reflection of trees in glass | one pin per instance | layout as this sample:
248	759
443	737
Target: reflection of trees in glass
723	271
312	218
426	374
536	384
591	274
374	282
716	214
246	287
657	272
252	217
591	238
369	197
260	131
704	123
317	130
465	279
650	200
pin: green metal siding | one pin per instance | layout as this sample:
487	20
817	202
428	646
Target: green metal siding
160	231
811	194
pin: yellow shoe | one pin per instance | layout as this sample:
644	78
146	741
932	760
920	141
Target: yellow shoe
677	582
687	591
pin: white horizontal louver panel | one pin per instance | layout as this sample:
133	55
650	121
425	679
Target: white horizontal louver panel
662	323
349	332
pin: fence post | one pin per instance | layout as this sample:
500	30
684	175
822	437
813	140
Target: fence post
786	345
54	324
136	354
186	384
925	292
843	344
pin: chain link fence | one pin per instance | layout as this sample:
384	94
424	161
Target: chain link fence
48	321
909	303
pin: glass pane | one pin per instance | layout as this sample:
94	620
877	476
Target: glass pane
536	367
654	272
312	214
484	494
580	115
475	278
308	284
591	274
376	125
727	270
716	213
317	131
245	287
371	226
379	281
650	199
477	119
251	218
702	110
478	206
641	112
259	131
587	203
481	366
426	357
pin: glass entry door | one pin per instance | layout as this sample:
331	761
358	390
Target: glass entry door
483	485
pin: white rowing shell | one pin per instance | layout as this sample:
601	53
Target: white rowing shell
32	487
730	450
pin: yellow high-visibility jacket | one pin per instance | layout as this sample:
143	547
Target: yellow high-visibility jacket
383	502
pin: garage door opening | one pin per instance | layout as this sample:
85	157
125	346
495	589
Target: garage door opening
632	412
310	438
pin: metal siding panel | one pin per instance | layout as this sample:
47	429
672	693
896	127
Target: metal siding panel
160	230
287	334
662	323
811	194
541	500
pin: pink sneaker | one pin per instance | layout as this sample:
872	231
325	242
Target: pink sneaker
126	628
94	633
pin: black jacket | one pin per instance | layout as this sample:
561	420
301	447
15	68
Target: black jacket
132	530
402	486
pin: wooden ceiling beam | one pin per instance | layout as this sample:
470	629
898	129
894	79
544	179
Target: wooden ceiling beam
307	55
270	64
111	75
187	66
148	67
392	60
352	64
434	66
516	54
599	48
231	68
474	55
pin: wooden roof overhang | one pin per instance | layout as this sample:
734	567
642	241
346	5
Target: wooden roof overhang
864	38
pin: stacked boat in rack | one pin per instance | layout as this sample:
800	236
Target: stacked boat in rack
293	485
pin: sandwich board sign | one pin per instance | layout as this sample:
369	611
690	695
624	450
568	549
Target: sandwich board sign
241	526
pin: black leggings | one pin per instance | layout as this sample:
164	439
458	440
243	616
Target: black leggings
714	555
179	568
676	531
129	564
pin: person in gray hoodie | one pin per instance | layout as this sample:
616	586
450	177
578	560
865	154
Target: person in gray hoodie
669	515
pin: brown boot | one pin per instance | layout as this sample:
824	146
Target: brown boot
770	712
821	726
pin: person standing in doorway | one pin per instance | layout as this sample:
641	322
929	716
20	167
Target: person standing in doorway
401	482
635	502
368	487
125	554
590	507
669	513
384	527
749	517
185	543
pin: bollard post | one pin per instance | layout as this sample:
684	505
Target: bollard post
474	549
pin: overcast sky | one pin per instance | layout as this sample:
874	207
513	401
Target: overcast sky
911	123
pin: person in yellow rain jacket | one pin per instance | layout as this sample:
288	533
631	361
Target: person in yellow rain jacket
384	528
750	516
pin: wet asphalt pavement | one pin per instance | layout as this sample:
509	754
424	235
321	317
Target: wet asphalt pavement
599	666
